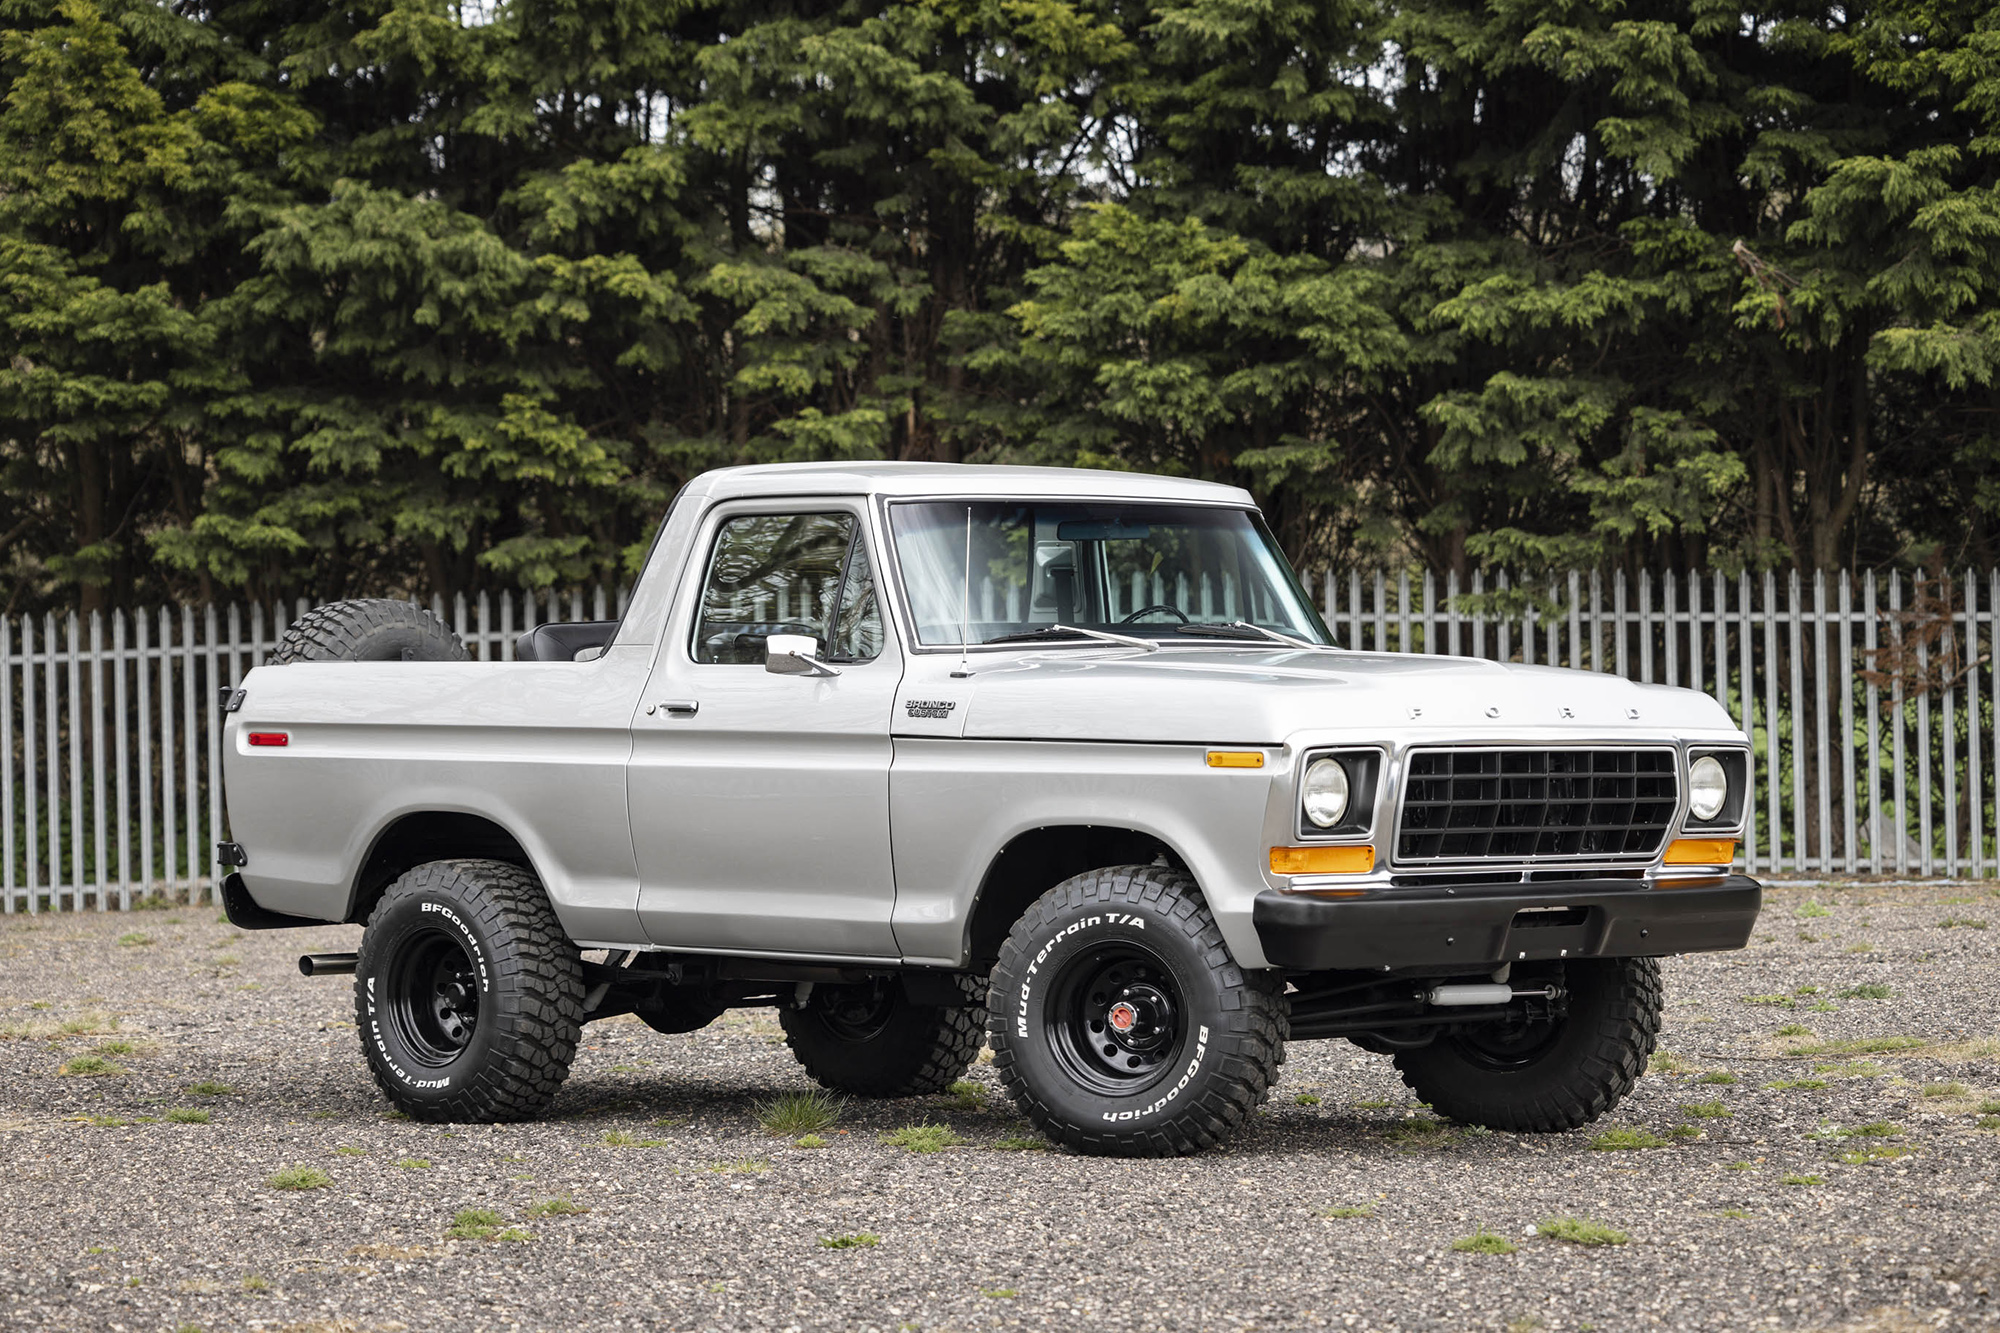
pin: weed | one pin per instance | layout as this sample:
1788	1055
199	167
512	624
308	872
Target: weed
1944	1090
1811	908
92	1024
514	1234
1022	1143
1706	1110
414	1163
1001	1293
1740	1214
210	1088
300	1178
255	1283
1864	1156
346	1150
1720	1077
134	940
1871	991
1796	1179
623	1138
1810	938
1806	990
186	1115
473	1224
1987	1122
1991	1106
1666	1062
809	1141
1863	1046
1878	1129
1784	1001
859	1240
1483	1241
1970	923
1685	1132
1738	1166
1383	1106
791	1114
1863	947
1795	1030
1823	1007
111	1048
109	1121
89	1066
923	1138
967	1095
1306	1099
1804	1084
557	1207
742	1166
1623	1137
1579	1232
1526	1323
227	960
1364	1211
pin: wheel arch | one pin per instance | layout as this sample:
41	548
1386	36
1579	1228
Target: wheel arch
1036	860
418	836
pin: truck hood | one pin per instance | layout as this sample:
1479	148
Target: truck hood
1262	697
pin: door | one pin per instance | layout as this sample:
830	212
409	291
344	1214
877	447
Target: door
760	801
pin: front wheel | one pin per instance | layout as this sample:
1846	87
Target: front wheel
468	996
1553	1074
1120	1024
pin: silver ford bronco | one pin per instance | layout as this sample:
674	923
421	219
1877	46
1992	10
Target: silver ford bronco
923	756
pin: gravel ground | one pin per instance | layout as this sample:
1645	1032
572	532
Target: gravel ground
1763	1208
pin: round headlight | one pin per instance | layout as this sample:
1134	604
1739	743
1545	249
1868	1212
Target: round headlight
1325	792
1708	787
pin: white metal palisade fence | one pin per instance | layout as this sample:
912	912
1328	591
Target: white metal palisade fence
1870	700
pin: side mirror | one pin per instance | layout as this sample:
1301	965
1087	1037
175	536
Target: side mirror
794	655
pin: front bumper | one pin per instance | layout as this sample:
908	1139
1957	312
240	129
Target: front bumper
1484	925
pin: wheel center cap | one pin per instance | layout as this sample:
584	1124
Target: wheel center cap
1123	1017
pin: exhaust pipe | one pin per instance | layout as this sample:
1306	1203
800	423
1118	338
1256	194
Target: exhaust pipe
340	964
1490	993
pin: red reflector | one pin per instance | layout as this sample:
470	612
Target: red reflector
270	738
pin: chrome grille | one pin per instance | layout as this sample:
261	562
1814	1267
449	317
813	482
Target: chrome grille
1532	805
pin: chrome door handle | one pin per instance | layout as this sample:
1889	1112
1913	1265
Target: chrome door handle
677	707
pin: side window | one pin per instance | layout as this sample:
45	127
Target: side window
857	632
772	574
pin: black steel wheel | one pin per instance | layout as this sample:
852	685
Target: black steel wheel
468	995
1122	1026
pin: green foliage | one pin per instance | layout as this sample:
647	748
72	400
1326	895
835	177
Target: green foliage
379	300
1580	1232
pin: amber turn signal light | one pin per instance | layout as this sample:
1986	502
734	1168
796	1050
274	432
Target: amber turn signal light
1235	758
1322	860
1701	852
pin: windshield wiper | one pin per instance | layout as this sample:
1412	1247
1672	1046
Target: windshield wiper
1074	631
1243	629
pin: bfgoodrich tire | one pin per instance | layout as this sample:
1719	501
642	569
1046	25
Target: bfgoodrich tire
871	1041
1121	1025
468	997
371	629
1550	1076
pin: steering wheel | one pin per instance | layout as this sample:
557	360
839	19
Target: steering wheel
1174	611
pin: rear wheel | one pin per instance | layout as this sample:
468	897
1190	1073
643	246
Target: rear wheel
872	1041
1547	1075
1122	1026
468	996
369	629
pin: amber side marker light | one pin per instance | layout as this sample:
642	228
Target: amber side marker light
270	738
1235	758
1701	852
1322	860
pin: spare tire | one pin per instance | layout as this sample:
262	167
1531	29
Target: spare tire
368	629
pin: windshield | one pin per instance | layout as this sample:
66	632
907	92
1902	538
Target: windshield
1140	569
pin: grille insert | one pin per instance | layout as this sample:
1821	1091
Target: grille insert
1519	805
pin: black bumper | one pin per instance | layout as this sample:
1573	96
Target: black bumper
1481	924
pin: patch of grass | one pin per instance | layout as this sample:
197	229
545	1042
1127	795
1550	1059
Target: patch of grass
742	1166
1719	1077
1705	1110
809	1141
1991	1106
1738	1166
1823	1007
1684	1132
1483	1241
1306	1099
1862	1046
1861	947
1022	1143
1784	1001
1966	922
967	1095
111	1048
210	1088
255	1283
1811	908
108	1121
791	1114
1795	1030
1796	1179
1934	1090
414	1163
346	1150
923	1138
1666	1062
1865	1156
299	1178
1806	990
1877	1129
1577	1231
89	1066
557	1207
187	1115
1623	1138
1987	1122
1364	1211
857	1240
474	1224
1373	1105
513	1235
134	940
1801	1084
625	1138
1740	1214
1871	991
1418	1130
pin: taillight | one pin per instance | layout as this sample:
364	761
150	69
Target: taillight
270	738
